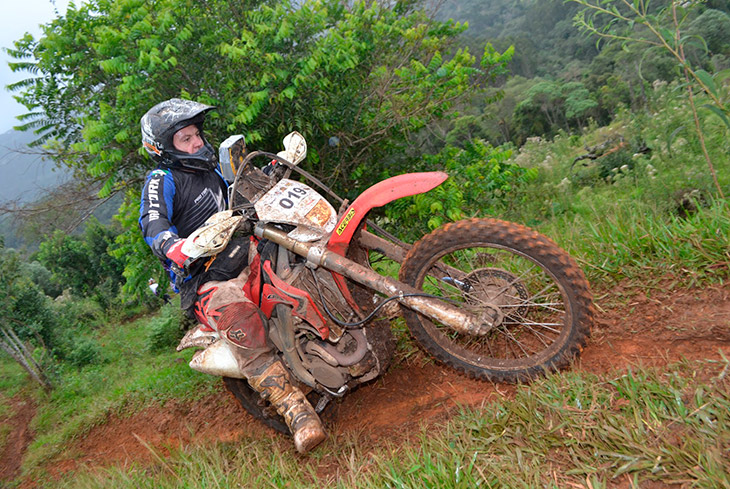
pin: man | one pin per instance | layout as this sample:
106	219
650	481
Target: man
154	287
178	197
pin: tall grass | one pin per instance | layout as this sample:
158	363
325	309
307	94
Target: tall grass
639	240
568	430
632	215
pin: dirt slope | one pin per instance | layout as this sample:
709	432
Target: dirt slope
633	327
18	436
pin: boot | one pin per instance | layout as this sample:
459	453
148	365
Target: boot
273	384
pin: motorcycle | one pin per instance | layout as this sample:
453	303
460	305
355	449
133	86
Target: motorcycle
491	299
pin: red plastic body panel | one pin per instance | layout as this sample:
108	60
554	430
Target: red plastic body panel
378	195
280	292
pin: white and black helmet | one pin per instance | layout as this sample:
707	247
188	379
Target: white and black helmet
160	124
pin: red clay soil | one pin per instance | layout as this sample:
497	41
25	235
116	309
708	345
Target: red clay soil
633	328
11	455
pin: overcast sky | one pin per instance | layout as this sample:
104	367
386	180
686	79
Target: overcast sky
16	18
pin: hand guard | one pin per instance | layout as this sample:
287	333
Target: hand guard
208	240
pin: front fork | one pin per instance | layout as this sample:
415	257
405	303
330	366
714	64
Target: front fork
431	307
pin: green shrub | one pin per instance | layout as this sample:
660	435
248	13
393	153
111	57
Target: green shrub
42	277
72	312
85	351
166	330
481	177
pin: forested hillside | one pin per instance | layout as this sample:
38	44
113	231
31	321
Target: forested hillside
25	175
561	78
37	196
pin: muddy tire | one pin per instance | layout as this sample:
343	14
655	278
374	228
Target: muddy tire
262	410
537	291
250	400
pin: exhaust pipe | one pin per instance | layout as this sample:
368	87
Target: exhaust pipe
438	310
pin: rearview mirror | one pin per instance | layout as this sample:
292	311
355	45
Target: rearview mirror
230	156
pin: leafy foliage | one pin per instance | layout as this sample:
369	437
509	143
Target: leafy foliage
27	317
663	27
83	264
370	74
165	332
481	176
549	49
550	106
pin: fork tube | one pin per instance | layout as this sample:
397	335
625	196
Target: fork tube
435	309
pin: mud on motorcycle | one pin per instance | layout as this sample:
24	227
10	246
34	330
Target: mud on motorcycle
491	299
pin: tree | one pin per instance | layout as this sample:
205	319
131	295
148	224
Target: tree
83	263
552	105
371	74
662	28
25	318
714	28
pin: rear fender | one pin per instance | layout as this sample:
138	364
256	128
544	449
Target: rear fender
376	196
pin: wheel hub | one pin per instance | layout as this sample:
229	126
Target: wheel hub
496	288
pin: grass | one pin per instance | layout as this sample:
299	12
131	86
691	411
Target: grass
128	377
638	240
654	217
13	380
567	430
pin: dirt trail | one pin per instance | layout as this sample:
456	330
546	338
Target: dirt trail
633	327
16	438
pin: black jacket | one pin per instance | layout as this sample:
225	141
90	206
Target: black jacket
176	202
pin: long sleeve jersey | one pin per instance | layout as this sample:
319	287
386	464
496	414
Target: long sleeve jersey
176	202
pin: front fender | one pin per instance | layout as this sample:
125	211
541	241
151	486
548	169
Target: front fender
376	196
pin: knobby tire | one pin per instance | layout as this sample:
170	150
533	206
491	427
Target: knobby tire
544	299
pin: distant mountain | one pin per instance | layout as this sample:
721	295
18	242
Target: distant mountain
23	172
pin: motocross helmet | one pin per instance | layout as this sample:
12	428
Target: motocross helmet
160	124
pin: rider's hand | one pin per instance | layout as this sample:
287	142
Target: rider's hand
176	255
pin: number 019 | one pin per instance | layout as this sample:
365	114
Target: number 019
295	193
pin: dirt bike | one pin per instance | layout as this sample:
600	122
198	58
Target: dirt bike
491	299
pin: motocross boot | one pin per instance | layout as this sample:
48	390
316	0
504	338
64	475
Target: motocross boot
237	347
274	385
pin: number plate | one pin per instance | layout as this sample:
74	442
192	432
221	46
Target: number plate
295	203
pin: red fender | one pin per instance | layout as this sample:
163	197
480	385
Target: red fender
376	196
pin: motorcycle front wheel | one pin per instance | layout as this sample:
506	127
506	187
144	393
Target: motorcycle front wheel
539	295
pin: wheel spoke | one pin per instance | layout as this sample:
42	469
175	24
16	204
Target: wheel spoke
484	278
